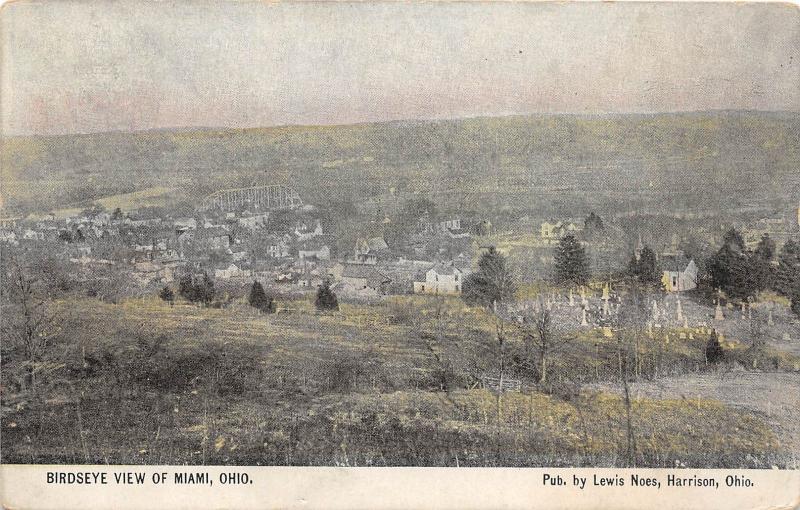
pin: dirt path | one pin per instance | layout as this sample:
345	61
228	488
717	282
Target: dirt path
775	397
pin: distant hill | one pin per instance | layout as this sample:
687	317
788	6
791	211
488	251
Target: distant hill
677	160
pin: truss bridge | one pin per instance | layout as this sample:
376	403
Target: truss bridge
257	197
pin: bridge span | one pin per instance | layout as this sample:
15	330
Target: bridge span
261	197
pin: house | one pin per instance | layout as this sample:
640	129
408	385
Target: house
215	238
369	251
169	255
153	272
182	225
553	231
304	233
278	247
680	275
232	271
255	221
361	277
138	219
441	279
450	224
311	249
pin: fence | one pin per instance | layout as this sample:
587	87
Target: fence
494	383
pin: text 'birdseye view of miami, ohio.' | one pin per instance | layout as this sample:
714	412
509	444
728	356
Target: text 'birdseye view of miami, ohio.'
400	234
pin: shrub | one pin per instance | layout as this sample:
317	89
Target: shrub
326	298
197	289
796	299
259	300
167	295
714	352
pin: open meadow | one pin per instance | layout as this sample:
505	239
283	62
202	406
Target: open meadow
396	382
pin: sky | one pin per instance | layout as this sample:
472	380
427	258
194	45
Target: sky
77	67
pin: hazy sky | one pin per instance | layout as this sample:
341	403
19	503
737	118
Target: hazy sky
96	66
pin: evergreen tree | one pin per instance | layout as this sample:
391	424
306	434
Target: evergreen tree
571	264
186	288
714	352
117	214
206	290
731	268
258	299
766	248
194	289
167	295
734	240
492	283
645	268
592	224
326	298
787	274
796	299
763	273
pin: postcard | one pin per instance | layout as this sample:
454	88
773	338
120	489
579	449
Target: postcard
399	254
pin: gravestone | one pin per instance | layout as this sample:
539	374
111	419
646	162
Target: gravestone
718	315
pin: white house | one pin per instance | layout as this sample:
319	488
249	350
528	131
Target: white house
369	251
253	222
553	231
310	251
441	279
278	248
303	233
183	224
231	271
364	277
680	278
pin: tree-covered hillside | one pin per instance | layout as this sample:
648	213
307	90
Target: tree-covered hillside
706	160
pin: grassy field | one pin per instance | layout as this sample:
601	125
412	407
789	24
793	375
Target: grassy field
392	383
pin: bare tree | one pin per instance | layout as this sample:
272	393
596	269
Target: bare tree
540	336
630	326
492	286
27	321
758	339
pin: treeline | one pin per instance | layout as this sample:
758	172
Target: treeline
199	288
742	273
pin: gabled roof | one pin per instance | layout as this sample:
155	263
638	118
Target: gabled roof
377	244
445	269
675	263
314	244
210	233
364	271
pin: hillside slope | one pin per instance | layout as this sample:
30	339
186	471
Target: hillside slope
684	160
